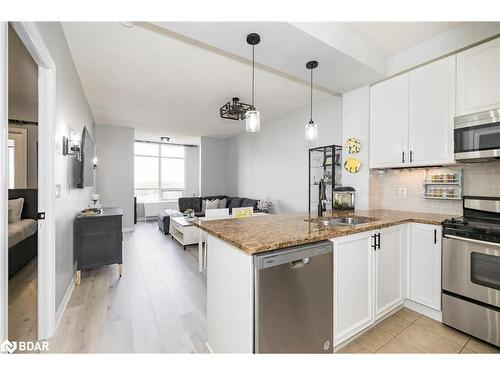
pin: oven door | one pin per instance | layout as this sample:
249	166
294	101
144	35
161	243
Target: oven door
471	268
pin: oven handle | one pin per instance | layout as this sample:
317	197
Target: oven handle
449	236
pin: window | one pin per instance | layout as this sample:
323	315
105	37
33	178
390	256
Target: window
159	172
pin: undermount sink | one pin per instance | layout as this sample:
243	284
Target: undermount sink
342	221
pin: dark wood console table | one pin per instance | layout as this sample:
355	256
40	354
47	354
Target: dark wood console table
98	240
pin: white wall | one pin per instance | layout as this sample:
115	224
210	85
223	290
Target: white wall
192	165
115	169
72	112
213	166
274	163
356	123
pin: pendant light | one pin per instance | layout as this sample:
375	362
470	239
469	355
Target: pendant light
311	127
252	115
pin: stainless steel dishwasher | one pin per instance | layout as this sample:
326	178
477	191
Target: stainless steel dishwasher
294	300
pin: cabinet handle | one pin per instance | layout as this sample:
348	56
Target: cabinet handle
374	244
435	235
411	156
402	157
378	235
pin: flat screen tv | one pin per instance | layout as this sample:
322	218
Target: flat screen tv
84	169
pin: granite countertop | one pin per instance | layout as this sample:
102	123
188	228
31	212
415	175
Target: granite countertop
259	234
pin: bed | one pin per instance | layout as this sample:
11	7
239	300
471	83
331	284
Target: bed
23	242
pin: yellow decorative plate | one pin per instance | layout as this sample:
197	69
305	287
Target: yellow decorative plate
353	145
352	165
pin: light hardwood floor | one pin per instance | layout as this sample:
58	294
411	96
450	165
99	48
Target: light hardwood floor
157	306
23	288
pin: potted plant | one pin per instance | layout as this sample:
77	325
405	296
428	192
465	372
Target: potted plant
189	213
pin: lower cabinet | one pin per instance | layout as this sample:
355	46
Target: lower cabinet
425	265
353	285
368	279
388	270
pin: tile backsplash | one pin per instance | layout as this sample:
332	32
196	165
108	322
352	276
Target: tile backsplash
479	179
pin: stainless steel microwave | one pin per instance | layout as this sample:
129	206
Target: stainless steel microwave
477	136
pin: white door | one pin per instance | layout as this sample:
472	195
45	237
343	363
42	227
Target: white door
389	123
431	113
425	265
353	285
478	78
18	158
389	270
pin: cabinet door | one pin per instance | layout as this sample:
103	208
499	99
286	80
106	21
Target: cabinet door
389	271
425	265
431	113
389	123
353	286
478	78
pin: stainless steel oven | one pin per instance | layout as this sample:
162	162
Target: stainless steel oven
477	136
471	270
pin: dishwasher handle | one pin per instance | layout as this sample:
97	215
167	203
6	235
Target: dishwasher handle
300	263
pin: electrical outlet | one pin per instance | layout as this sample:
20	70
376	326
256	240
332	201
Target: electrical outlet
402	192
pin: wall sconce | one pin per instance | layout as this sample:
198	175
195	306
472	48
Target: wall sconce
95	161
71	146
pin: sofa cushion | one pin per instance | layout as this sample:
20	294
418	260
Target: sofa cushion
190	202
235	202
249	203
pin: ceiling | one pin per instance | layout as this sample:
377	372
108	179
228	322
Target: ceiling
23	71
155	81
396	37
171	78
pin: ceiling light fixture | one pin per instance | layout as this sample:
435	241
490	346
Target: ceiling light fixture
234	109
252	115
311	127
127	24
165	139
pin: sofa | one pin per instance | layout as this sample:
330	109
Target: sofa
196	203
22	235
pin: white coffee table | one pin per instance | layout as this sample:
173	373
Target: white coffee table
183	231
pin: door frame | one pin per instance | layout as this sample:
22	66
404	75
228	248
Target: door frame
32	40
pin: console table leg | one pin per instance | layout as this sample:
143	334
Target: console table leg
78	277
120	269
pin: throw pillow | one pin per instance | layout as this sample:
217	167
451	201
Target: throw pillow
15	208
203	205
222	203
212	204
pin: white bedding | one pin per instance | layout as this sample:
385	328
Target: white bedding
21	230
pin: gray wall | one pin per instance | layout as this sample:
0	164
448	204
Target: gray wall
213	166
72	113
115	169
274	163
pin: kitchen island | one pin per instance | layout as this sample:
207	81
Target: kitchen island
233	245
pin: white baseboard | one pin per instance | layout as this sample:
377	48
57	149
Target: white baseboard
64	303
424	310
128	229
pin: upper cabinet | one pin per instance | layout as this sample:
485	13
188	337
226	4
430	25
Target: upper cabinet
431	113
389	123
478	78
412	116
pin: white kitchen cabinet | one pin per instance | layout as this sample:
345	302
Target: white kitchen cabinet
425	265
353	285
389	270
478	78
431	113
389	123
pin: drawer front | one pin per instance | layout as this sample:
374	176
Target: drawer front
99	249
103	225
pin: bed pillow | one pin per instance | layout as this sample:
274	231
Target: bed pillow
15	209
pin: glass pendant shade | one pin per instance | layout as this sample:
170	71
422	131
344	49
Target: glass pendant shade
253	121
311	131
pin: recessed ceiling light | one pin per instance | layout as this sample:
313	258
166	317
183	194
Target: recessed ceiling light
165	139
127	24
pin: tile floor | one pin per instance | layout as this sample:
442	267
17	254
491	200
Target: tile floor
410	332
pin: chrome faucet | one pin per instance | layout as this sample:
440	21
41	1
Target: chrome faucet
321	198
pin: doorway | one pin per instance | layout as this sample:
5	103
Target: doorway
39	199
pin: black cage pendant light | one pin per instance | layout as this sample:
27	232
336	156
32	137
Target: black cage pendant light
253	116
311	127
